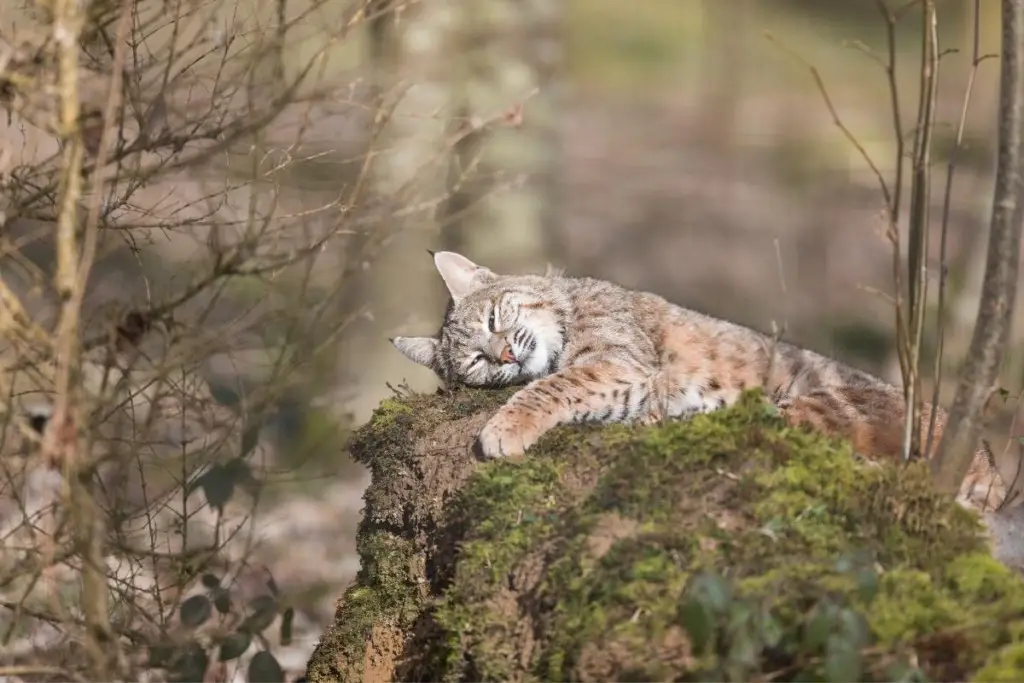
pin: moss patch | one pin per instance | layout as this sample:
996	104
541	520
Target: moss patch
727	547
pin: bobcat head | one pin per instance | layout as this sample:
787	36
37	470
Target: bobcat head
499	330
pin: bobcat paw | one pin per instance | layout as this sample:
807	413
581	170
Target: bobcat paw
500	441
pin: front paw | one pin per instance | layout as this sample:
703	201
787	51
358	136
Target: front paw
499	439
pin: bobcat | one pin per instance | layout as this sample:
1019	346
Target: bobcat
591	351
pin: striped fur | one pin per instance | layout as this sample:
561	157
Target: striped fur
591	351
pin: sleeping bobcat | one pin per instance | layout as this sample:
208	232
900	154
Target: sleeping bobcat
591	351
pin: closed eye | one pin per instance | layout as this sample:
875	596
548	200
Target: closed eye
492	322
477	360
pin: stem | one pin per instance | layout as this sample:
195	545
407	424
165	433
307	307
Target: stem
954	157
917	252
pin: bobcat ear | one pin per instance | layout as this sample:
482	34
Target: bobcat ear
461	275
422	350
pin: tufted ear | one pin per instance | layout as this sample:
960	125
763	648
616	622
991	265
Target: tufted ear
461	275
422	350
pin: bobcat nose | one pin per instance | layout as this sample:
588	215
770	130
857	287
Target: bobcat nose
507	356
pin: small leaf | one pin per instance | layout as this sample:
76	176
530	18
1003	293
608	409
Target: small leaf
218	486
771	630
262	612
286	625
189	664
264	669
224	395
222	601
271	583
818	628
714	590
234	645
250	438
867	583
699	623
210	581
844	564
854	628
195	611
160	655
743	651
842	661
241	473
739	617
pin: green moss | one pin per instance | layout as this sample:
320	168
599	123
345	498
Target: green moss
1004	666
386	594
731	546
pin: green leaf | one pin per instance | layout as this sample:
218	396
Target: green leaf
699	623
713	590
286	625
195	611
842	661
223	394
262	612
210	581
819	627
250	438
264	669
844	564
218	485
234	645
771	630
160	655
743	651
867	583
740	617
854	628
189	665
272	584
222	601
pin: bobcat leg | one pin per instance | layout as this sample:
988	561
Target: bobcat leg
597	392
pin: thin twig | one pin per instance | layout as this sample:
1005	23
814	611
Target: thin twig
917	249
894	206
954	157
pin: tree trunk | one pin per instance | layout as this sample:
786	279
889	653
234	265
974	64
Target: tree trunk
999	288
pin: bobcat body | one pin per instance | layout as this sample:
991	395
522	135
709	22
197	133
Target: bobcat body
588	350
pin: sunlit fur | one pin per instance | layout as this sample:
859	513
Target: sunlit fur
591	351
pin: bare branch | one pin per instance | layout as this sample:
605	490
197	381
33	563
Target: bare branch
917	250
954	157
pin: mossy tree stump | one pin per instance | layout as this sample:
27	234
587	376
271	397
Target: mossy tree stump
728	547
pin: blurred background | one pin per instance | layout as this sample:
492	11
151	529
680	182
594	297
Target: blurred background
677	146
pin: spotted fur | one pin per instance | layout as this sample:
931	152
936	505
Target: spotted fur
588	350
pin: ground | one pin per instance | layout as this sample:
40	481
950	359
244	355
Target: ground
729	547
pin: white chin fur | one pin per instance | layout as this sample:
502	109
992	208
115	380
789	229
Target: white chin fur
536	364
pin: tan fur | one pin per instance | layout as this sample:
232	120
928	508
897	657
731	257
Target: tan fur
590	351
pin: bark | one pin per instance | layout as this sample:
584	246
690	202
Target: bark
999	288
